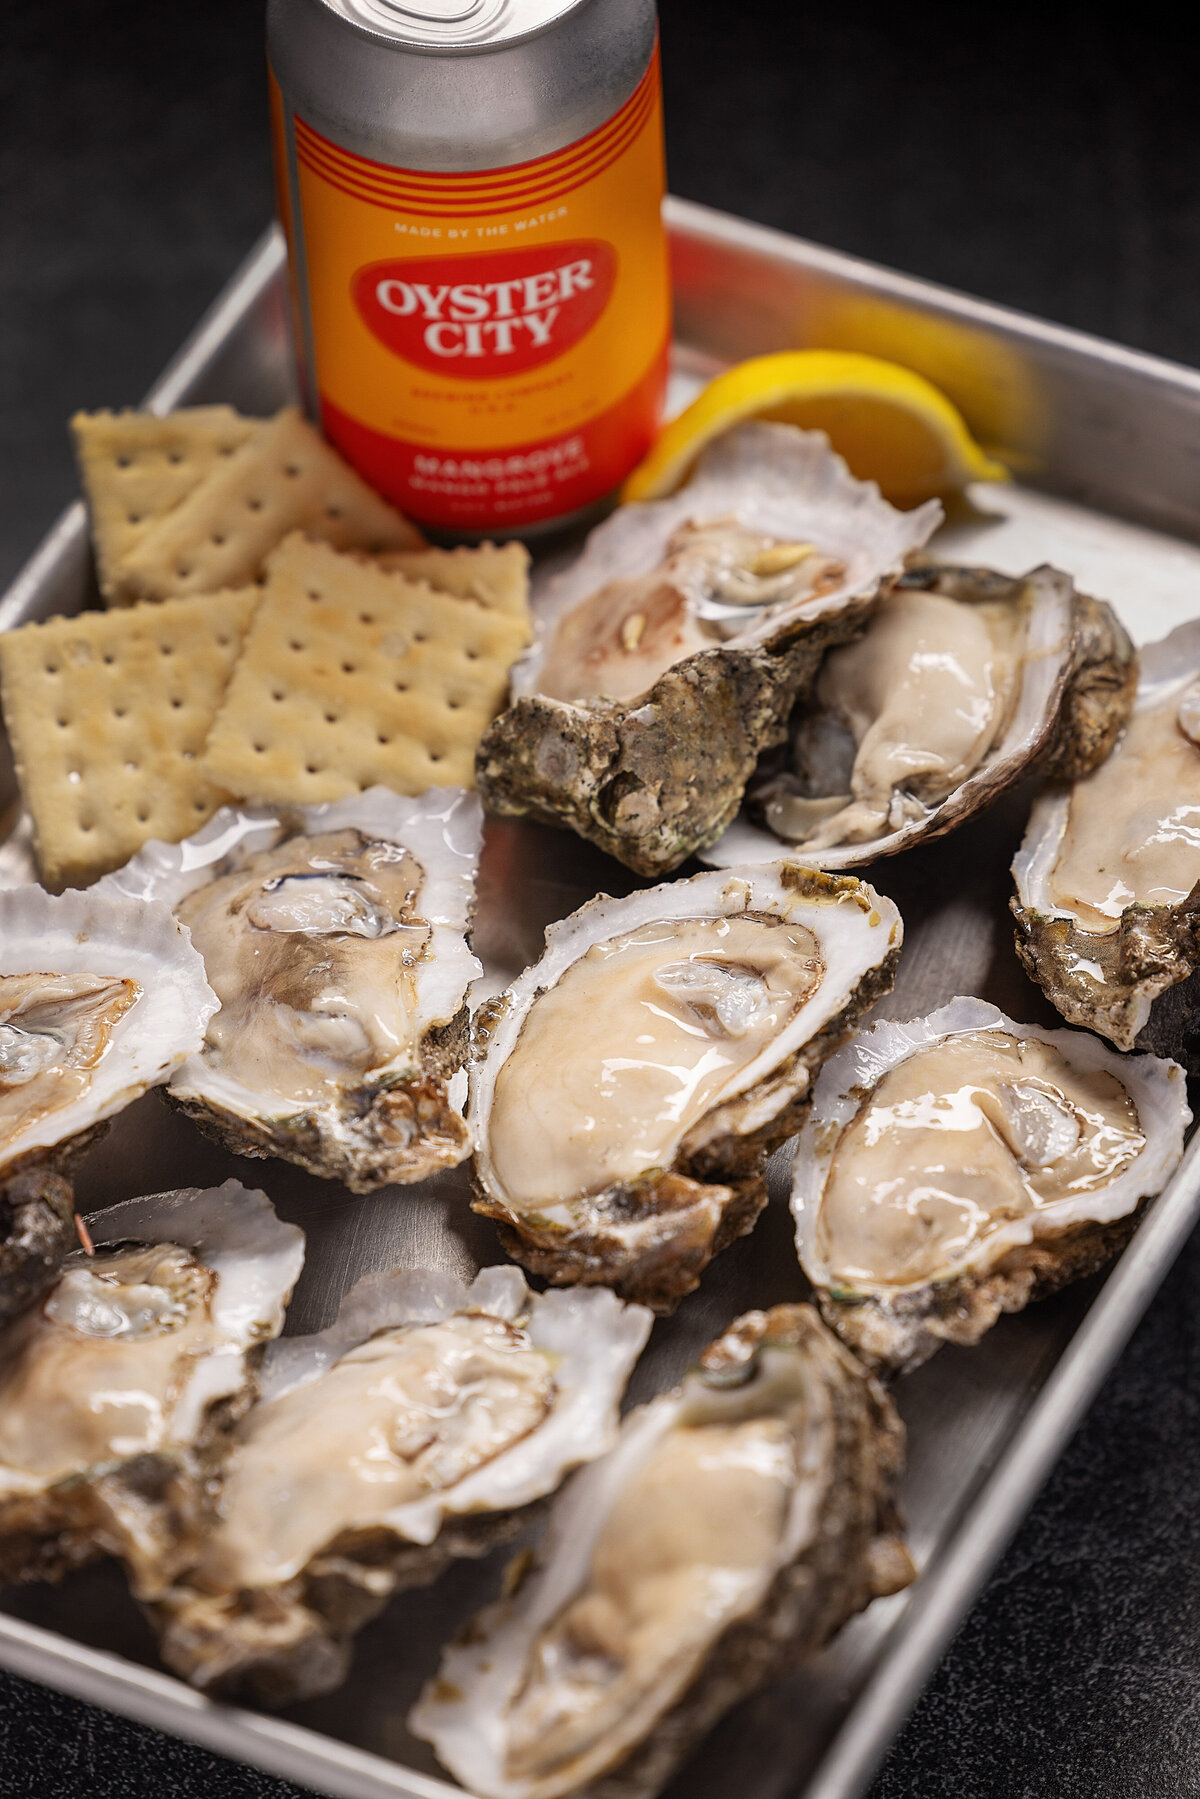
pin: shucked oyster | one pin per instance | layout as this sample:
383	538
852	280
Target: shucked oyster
99	999
738	1523
113	1390
628	1088
962	1165
336	942
410	1432
1108	875
962	683
670	653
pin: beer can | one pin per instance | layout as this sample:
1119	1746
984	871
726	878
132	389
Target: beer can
472	194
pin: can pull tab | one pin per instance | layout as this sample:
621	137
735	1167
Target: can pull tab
437	12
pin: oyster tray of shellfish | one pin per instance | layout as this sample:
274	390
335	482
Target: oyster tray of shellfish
614	1252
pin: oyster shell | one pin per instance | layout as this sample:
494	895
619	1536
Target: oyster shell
335	938
37	1233
670	653
100	998
413	1431
961	1165
114	1390
738	1523
964	681
628	1088
1108	874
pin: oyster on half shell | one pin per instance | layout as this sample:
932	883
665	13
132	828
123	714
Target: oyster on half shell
1108	876
738	1523
114	1390
336	941
670	653
627	1089
100	999
414	1430
963	682
961	1165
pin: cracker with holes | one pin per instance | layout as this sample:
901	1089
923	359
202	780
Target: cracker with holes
285	477
352	675
497	575
137	468
108	714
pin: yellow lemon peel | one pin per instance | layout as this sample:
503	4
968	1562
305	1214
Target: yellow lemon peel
891	425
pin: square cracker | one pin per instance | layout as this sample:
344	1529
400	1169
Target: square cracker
137	467
284	478
497	575
351	676
108	713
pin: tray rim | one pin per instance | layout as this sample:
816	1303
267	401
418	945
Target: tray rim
695	218
951	1582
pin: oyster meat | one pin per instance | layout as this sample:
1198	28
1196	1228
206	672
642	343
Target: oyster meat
961	1165
100	999
1108	875
963	682
670	653
114	1390
336	942
413	1431
628	1088
740	1520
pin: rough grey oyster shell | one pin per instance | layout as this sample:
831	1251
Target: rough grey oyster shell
115	1391
916	1241
779	1423
100	998
1131	973
507	1390
1071	686
336	939
607	1161
655	775
37	1233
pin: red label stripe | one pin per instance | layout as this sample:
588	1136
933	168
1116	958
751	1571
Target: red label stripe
458	200
533	195
433	182
543	179
315	154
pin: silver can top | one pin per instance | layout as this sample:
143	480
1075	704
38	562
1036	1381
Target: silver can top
433	24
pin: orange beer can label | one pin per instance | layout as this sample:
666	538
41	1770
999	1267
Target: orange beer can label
490	348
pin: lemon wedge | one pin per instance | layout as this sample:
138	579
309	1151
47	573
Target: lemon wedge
891	425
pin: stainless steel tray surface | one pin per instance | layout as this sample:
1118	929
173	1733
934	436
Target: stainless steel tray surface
1105	440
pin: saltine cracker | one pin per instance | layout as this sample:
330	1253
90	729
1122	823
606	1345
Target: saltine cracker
351	676
497	575
284	478
108	714
136	468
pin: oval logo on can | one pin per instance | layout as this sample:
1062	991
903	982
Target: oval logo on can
501	313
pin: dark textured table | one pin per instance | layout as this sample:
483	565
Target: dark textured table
1049	161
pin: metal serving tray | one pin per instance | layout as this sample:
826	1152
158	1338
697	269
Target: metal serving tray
1107	442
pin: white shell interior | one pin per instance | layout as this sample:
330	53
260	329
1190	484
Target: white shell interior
443	829
591	1338
257	1258
1048	644
776	479
855	931
1166	667
464	1712
98	932
233	1230
1157	1087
